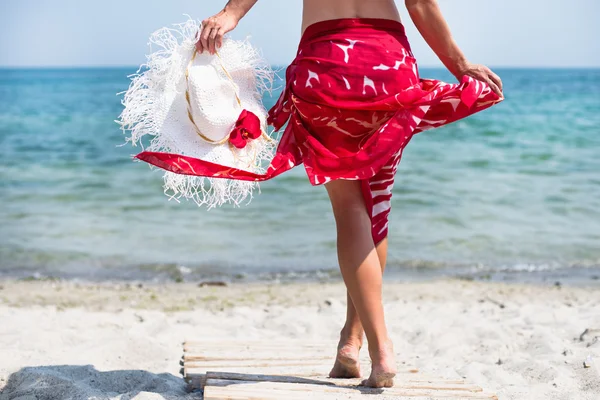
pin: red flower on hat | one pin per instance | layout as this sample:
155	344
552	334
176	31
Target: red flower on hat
247	128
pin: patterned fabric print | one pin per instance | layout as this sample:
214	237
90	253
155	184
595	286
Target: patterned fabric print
353	100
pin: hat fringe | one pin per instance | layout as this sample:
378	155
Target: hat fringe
142	114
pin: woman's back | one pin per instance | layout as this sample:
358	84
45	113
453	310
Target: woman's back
321	10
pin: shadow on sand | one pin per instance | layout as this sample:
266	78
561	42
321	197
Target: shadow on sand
75	382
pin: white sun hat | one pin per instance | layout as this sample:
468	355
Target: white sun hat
188	103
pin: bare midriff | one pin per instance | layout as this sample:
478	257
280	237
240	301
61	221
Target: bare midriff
321	10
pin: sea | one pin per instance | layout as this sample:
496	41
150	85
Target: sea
510	194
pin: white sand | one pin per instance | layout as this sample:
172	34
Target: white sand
63	340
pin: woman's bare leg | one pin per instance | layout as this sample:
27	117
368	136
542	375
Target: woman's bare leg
361	270
347	363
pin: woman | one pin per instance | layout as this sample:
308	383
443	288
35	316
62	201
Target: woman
353	99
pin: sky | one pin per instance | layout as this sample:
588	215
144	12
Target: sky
515	33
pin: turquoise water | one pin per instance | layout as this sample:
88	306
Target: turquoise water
512	192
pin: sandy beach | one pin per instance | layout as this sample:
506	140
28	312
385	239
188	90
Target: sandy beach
61	339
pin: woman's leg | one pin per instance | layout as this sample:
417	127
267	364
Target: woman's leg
361	270
351	337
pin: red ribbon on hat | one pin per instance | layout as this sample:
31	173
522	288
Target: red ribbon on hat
247	128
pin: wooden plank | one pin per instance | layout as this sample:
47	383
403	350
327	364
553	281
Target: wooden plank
262	342
199	355
406	377
258	367
229	376
277	346
266	353
400	383
230	353
256	350
267	367
312	369
250	387
253	357
221	389
219	393
251	364
216	393
198	360
299	372
197	381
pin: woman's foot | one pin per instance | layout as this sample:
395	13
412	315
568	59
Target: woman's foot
347	363
383	367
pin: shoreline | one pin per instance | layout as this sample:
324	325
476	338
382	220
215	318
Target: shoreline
517	340
580	275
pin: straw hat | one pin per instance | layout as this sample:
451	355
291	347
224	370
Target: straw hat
203	106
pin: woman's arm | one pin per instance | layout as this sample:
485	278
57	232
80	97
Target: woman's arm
430	22
213	28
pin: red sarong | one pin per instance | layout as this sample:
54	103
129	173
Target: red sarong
353	100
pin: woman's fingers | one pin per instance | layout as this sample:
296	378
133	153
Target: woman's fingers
204	38
220	35
212	40
211	36
213	30
496	79
207	27
485	75
493	81
199	47
493	86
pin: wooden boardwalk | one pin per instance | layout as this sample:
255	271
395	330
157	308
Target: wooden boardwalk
276	371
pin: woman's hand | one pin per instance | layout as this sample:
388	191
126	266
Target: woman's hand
430	22
483	74
213	29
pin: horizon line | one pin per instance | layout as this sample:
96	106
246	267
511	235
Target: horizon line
123	66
